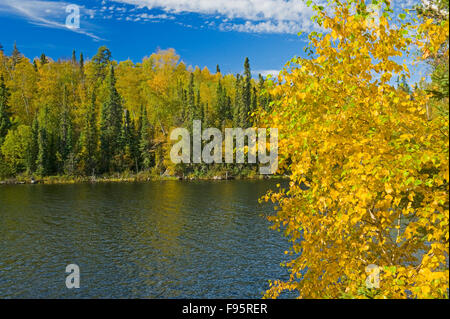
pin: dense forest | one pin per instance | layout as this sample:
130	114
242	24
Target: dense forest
98	117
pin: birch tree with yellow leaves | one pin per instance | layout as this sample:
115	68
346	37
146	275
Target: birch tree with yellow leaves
373	157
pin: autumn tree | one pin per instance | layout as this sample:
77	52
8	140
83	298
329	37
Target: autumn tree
15	146
75	109
438	10
369	169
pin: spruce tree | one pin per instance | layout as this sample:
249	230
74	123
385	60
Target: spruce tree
33	151
128	142
246	95
81	64
89	138
134	144
237	101
254	104
74	57
198	106
101	61
264	98
5	121
110	124
191	109
223	105
43	162
65	135
43	59
404	85
145	141
16	56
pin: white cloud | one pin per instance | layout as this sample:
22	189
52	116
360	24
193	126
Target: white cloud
263	27
44	13
265	73
256	16
155	16
245	9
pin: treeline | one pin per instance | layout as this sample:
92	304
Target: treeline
98	117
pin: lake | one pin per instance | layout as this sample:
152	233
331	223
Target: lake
162	239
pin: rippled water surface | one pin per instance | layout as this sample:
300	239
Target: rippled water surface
165	239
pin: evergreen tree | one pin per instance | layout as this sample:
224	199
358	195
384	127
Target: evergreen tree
101	61
89	138
81	64
110	124
191	109
254	104
404	85
237	102
74	57
1	47
65	134
43	163
217	69
223	105
198	107
16	56
264	97
5	121
246	95
145	141
33	151
129	146
134	144
43	59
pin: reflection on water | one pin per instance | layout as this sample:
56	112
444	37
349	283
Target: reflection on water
165	239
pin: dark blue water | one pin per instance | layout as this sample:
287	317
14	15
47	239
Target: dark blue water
166	239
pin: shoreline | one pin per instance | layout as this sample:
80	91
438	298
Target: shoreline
61	180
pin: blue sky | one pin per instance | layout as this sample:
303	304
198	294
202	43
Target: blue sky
203	32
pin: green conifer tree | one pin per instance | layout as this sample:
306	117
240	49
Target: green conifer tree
5	114
145	142
246	95
89	138
110	124
16	56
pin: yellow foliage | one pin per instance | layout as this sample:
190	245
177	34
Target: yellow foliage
376	164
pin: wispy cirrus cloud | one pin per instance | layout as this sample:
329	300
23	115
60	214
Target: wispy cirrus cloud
252	16
49	14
